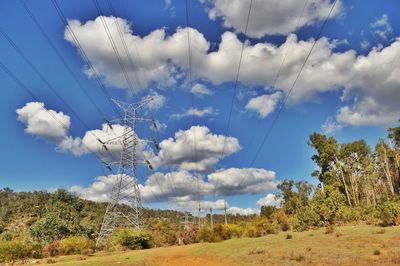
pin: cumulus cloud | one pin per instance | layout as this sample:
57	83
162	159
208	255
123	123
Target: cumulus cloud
242	211
264	104
194	112
372	76
269	200
174	186
160	55
90	143
200	90
235	181
374	83
44	123
270	17
180	150
184	189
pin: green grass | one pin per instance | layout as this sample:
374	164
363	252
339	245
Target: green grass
348	245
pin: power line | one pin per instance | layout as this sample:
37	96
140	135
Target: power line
63	19
32	95
121	35
234	92
62	59
285	54
113	46
293	85
131	61
40	75
236	81
192	98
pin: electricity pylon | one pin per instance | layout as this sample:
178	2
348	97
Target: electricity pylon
125	206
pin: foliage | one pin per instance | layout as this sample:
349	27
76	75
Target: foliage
267	211
306	219
11	251
49	228
132	238
388	211
52	250
76	245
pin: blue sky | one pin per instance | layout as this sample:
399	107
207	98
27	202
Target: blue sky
350	84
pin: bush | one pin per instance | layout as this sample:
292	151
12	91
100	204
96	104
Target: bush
52	250
11	251
205	234
281	218
388	211
132	238
76	245
306	219
48	229
6	236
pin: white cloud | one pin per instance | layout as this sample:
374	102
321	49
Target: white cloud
367	113
330	126
157	100
373	76
264	104
90	144
160	55
235	181
174	186
374	83
200	90
99	190
269	200
44	123
194	112
382	26
270	17
184	189
180	150
242	211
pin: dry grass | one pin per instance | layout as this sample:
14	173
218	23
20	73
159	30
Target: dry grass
357	245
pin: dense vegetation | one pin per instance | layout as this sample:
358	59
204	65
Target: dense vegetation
357	184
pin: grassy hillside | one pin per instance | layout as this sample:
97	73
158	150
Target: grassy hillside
348	245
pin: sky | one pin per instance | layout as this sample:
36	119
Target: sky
298	67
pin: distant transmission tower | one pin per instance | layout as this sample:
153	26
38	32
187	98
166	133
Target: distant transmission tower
125	206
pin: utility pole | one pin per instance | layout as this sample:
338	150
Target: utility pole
226	220
125	193
211	219
199	215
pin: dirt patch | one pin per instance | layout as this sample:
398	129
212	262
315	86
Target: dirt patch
192	261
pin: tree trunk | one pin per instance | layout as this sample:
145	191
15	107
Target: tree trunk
387	171
344	181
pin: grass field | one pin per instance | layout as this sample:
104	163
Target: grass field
348	245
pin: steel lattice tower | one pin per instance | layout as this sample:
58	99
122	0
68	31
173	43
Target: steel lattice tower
126	191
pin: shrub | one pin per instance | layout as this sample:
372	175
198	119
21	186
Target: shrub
76	245
205	234
281	218
11	251
132	238
6	236
289	236
306	218
52	250
48	229
388	211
